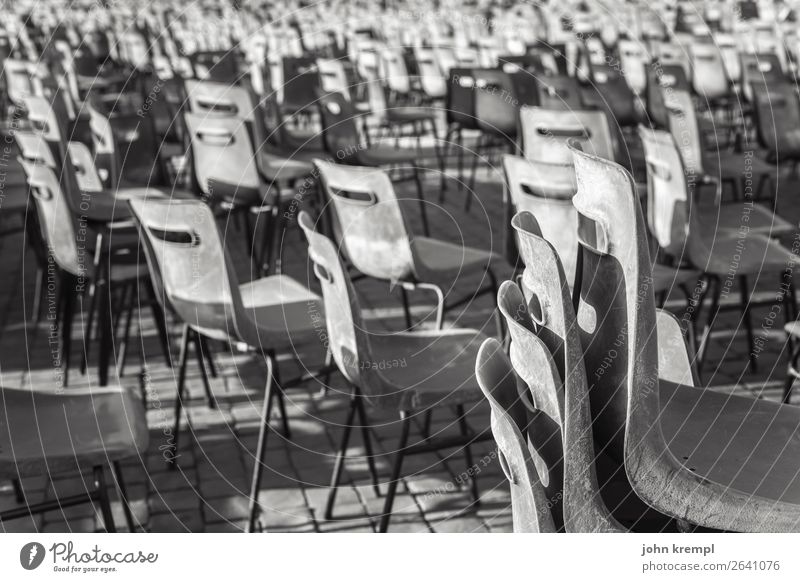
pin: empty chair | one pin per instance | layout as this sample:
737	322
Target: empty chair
709	79
609	91
49	434
220	66
708	241
711	459
372	234
633	60
344	143
559	93
777	113
413	372
271	315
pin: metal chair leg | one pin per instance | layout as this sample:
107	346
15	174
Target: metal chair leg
423	210
744	296
466	431
712	315
102	497
367	438
184	357
18	492
340	456
261	450
123	495
201	363
394	480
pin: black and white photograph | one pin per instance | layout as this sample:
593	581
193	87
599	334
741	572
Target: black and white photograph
399	266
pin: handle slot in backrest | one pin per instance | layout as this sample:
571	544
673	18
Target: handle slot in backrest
659	169
364	198
581	133
218	137
224	107
322	273
176	237
592	234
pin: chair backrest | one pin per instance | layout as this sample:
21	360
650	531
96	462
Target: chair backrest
393	71
460	102
495	103
333	77
219	66
187	256
348	339
709	78
369	224
633	60
339	131
559	92
760	69
300	82
777	112
729	51
432	79
215	99
543	316
545	134
684	127
662	81
546	190
86	176
55	218
616	311
610	92
222	155
530	508
670	53
103	143
668	202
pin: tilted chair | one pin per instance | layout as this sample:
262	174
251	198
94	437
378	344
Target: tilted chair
372	233
711	459
530	509
50	433
407	372
269	315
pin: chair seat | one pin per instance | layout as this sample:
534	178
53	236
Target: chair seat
732	165
383	156
751	446
45	432
665	278
284	313
409	114
282	170
427	368
442	262
729	218
749	255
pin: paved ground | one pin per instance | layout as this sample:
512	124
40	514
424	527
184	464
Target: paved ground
209	490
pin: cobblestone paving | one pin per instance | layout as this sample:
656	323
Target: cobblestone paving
208	490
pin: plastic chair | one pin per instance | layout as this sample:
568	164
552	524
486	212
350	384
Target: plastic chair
777	114
703	242
711	459
634	61
344	143
49	433
530	509
269	315
371	230
219	66
413	372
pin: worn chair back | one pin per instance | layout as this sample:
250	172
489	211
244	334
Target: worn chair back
545	133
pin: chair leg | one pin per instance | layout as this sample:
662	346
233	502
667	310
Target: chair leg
472	176
18	492
791	371
161	324
712	315
406	308
261	450
201	363
744	296
184	357
36	311
281	398
460	150
422	205
394	480
209	358
367	438
105	503
340	455
67	317
466	431
123	495
126	332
